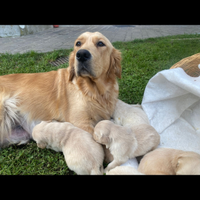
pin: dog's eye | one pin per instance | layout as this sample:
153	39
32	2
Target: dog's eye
78	43
100	44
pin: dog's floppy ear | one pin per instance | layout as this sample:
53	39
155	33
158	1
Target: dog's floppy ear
71	66
180	165
105	139
115	62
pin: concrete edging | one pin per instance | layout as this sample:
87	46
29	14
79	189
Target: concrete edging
19	30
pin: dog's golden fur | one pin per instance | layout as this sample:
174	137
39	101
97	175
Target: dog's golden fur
167	161
82	99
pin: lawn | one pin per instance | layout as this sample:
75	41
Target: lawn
142	59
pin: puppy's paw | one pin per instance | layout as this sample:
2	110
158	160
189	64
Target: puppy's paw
41	145
105	170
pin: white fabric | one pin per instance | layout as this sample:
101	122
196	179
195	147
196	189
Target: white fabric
172	103
131	162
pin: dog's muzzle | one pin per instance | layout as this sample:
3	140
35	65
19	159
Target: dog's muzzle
83	57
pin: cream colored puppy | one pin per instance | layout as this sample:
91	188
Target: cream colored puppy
129	115
125	142
124	170
82	154
167	161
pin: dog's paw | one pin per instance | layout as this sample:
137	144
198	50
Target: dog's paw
41	145
105	170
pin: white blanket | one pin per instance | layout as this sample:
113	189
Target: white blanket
172	103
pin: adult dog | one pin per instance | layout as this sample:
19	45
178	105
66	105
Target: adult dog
82	94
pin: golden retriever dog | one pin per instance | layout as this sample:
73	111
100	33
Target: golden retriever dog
83	94
167	161
82	154
124	170
125	142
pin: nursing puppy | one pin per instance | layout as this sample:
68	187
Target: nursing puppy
167	161
129	114
123	170
125	142
82	154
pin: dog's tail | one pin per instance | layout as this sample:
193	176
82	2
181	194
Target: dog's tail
8	115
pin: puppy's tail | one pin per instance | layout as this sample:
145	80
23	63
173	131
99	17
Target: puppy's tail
8	115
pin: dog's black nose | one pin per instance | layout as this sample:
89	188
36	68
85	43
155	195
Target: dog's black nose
83	55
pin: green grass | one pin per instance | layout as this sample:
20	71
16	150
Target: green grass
30	160
31	62
142	59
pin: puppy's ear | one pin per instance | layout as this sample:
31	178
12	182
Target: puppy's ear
115	62
178	162
105	140
71	66
179	165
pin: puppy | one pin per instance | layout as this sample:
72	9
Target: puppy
82	154
123	170
125	142
167	161
129	115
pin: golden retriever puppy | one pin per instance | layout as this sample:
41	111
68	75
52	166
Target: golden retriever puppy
125	142
83	94
124	170
129	115
82	154
167	161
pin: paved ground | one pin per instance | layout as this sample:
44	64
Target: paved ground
63	37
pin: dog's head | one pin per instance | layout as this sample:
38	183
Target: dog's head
94	56
102	133
36	137
102	138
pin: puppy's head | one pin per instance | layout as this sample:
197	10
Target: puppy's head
37	134
188	164
102	133
94	56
